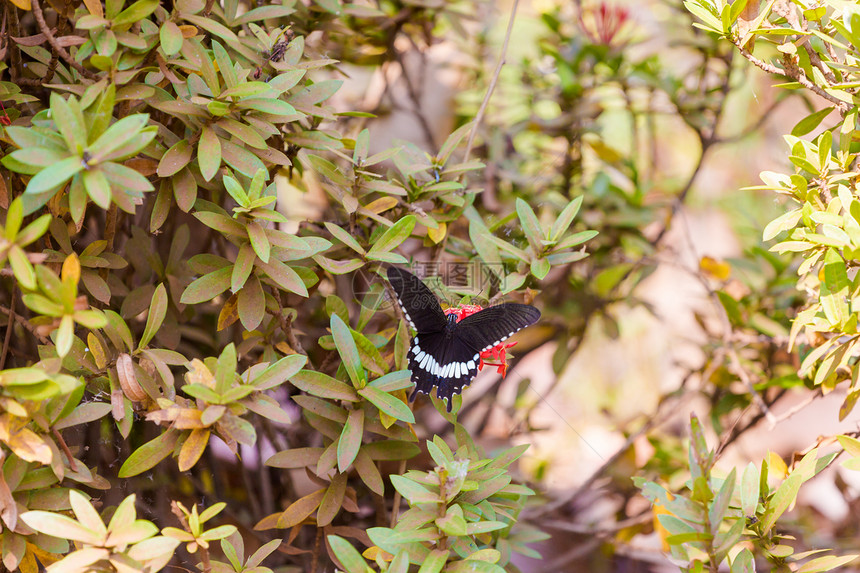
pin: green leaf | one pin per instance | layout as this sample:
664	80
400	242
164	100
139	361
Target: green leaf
91	319
323	385
259	241
247	89
279	372
272	106
134	13
332	501
350	439
149	454
398	380
157	312
362	144
347	239
540	267
14	218
32	231
244	132
207	287
348	351
565	218
171	38
65	335
810	122
531	226
781	500
226	369
284	277
240	158
53	177
368	472
387	403
175	158
453	141
295	458
435	561
208	153
61	526
371	359
225	66
251	304
118	137
236	191
243	267
750	490
453	523
391	450
97	187
350	559
413	492
784	222
826	563
393	236
834	289
21	267
69	122
222	223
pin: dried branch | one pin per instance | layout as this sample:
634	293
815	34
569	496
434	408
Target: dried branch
9	327
493	81
14	50
415	95
25	323
43	27
796	74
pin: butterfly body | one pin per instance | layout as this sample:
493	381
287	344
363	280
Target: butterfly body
444	353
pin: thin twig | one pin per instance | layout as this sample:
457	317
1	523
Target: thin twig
493	81
43	27
315	556
9	326
25	323
110	234
660	416
14	49
798	75
414	95
741	373
72	465
395	506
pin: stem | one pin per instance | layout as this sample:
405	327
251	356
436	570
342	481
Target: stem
796	74
110	234
14	49
25	323
315	556
43	27
72	465
493	81
395	507
416	98
9	326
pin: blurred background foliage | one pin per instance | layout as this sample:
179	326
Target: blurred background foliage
200	199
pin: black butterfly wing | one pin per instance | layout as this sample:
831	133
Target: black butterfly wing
491	326
447	357
437	360
418	302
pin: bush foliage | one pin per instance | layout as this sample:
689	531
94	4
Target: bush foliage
197	220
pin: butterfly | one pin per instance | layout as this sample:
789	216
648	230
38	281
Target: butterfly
445	353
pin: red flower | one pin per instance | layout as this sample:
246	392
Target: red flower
4	119
495	356
603	23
